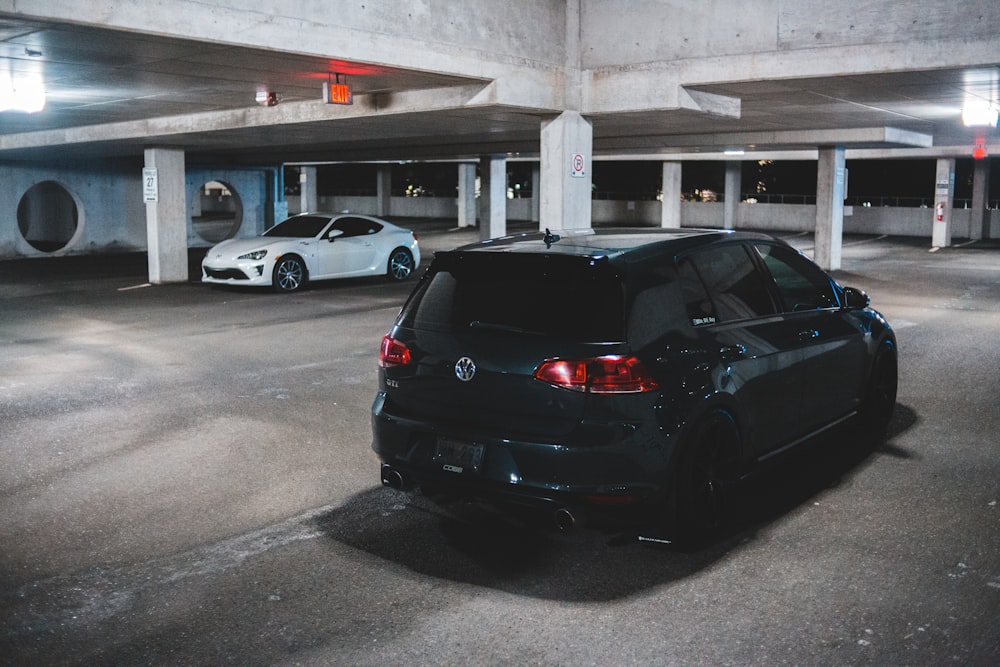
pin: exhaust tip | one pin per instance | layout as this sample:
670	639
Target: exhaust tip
392	478
565	520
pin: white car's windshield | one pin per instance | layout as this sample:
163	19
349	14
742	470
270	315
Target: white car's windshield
299	227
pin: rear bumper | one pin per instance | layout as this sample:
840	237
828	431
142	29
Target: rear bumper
573	485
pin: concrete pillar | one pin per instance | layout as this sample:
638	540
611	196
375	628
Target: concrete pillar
670	206
731	198
492	197
167	216
830	178
383	190
980	224
566	158
536	192
944	201
466	194
308	197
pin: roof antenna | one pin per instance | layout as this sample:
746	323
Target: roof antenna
550	238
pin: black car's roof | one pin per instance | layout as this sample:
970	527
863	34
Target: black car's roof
610	243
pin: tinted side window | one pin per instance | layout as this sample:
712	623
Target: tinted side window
299	227
736	288
356	226
699	307
801	284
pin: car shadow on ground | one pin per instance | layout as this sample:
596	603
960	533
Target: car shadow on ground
470	544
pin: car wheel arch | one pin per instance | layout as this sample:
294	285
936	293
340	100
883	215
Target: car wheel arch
285	257
389	268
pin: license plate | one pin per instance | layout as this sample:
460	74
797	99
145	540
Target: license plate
458	457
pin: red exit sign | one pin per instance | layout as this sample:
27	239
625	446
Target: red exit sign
337	93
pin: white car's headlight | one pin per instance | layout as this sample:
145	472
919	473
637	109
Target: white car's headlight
256	254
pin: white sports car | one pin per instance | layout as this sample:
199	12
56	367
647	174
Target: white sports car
314	246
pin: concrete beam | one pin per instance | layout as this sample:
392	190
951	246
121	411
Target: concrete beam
294	113
778	139
709	103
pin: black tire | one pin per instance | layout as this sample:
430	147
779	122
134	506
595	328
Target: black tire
880	394
400	265
704	478
289	274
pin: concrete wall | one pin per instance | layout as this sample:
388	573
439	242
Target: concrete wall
108	198
721	28
249	186
111	214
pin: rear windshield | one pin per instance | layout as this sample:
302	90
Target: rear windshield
560	297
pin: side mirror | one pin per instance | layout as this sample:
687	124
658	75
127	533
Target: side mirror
855	299
333	234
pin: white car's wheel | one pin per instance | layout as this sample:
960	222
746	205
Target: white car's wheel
400	264
289	274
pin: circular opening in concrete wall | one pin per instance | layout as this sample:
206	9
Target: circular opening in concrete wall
216	211
47	216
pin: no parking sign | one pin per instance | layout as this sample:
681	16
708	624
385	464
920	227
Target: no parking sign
578	167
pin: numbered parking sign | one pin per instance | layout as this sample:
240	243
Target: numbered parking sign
149	187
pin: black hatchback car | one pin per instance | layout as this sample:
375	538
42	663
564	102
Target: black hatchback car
622	373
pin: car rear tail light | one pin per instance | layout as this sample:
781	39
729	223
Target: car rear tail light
393	353
613	374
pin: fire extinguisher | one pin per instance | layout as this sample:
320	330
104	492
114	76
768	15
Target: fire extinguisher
940	212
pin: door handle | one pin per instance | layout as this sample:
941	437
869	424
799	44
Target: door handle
809	334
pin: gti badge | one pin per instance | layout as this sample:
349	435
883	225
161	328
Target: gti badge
465	369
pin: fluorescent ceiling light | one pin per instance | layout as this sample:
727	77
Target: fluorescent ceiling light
27	95
979	113
734	151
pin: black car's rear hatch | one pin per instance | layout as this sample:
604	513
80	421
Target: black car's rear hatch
481	324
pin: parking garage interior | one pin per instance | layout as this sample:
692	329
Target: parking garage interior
187	472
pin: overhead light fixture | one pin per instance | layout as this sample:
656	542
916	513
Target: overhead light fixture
22	94
979	113
734	151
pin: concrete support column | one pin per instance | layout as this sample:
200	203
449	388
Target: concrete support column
166	218
830	179
308	196
731	198
492	197
466	194
980	224
670	206
944	201
383	190
566	158
536	193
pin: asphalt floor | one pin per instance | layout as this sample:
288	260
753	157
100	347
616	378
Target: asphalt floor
187	478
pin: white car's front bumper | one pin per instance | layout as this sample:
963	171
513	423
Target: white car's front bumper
250	272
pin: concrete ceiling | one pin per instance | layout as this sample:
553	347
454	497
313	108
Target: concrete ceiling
114	93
